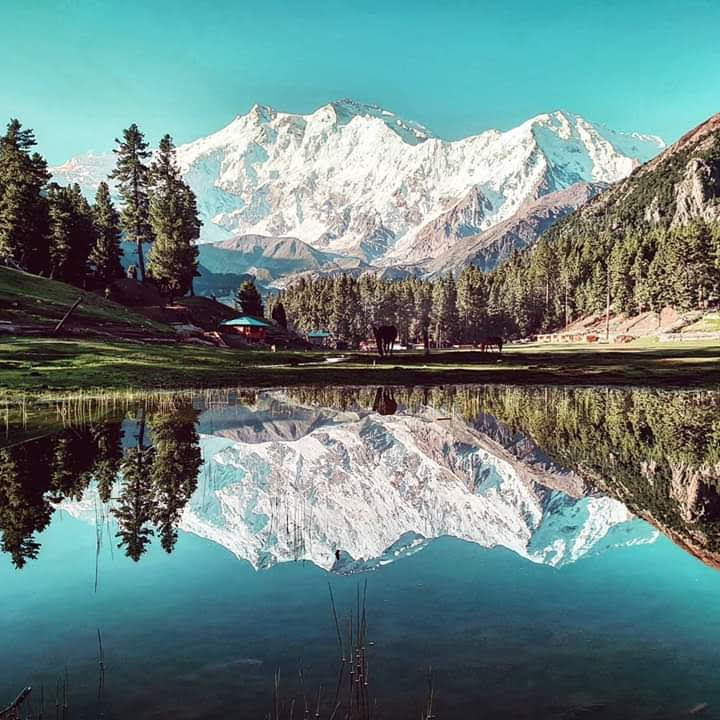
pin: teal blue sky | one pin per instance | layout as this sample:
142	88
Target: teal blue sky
78	71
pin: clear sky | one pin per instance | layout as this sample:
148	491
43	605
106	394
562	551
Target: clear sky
78	71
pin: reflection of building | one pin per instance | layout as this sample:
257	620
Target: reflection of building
251	328
320	338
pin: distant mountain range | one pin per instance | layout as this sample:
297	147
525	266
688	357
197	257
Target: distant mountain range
353	186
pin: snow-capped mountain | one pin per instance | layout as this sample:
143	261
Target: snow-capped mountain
358	180
283	482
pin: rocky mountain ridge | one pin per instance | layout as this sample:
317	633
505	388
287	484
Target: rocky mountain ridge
680	185
357	180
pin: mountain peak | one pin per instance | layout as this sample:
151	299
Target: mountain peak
347	109
359	180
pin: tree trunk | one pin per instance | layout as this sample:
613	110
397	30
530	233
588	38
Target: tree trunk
141	260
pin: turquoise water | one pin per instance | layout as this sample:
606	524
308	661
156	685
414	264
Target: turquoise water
200	634
627	632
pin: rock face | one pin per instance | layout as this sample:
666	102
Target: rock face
680	185
696	194
358	180
492	247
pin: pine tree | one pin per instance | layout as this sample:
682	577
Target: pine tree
249	300
278	314
175	224
340	320
133	177
106	252
423	308
597	289
24	509
134	509
71	235
438	313
108	454
621	262
83	235
191	233
23	209
61	225
471	303
452	321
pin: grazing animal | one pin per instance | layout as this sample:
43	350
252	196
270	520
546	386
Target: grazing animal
385	337
491	341
385	402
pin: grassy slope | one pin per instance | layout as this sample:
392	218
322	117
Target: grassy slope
709	323
26	298
46	366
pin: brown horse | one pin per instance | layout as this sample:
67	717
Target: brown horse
491	341
385	402
385	337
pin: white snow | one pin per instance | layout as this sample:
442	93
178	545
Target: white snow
357	179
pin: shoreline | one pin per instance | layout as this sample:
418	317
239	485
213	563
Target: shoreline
37	368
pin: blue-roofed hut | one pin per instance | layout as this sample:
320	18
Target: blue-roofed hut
251	328
319	338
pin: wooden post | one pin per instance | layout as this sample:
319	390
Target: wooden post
67	314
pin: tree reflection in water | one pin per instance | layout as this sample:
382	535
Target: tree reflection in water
146	485
658	452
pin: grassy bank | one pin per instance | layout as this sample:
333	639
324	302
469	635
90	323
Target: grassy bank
47	367
31	299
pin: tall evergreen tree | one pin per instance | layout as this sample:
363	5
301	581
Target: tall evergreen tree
471	303
23	209
175	224
61	228
423	307
278	314
106	252
133	178
24	507
134	509
341	310
249	300
107	437
71	234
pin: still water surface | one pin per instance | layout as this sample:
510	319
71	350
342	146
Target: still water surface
538	553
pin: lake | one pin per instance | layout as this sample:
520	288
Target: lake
453	552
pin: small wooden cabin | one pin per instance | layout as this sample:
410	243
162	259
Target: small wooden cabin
251	328
319	338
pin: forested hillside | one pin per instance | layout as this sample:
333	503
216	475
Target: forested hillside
650	240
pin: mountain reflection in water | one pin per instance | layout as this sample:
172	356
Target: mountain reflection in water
511	538
354	478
